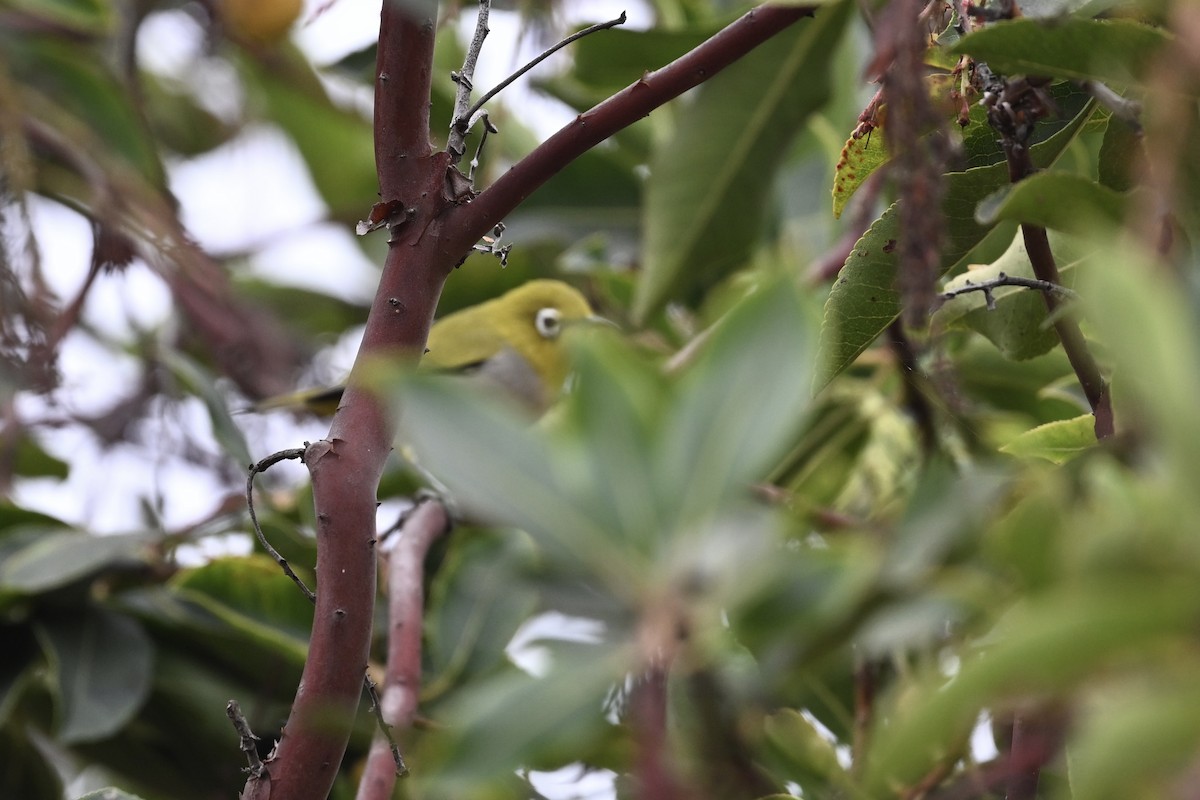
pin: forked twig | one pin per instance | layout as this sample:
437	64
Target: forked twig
463	121
1002	279
456	145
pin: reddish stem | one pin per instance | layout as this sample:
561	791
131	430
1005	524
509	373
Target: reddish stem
406	611
648	716
346	466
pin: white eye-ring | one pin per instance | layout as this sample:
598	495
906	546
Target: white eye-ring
548	322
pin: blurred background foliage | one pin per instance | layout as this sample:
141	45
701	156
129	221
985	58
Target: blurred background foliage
854	553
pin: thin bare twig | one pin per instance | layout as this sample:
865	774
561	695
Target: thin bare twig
419	529
488	127
246	737
255	469
456	144
384	728
1002	279
464	122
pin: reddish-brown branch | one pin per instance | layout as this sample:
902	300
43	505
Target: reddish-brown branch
404	75
466	224
648	717
346	466
432	227
406	611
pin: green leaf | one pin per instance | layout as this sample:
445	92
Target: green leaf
1017	387
1149	326
740	403
858	454
864	301
1113	51
24	770
1052	642
54	559
710	182
806	755
476	604
31	461
1057	442
1138	740
859	160
250	593
21	658
611	428
102	663
1060	201
68	87
497	467
512	720
613	59
1121	156
190	695
242	612
85	16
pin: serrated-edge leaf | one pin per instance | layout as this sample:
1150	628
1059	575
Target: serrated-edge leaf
859	159
863	301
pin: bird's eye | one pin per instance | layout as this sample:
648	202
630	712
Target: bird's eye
548	322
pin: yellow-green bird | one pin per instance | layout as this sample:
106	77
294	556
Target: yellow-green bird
513	342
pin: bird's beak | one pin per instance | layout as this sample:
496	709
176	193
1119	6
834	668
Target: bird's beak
596	319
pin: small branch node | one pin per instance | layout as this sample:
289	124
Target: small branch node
246	738
491	245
